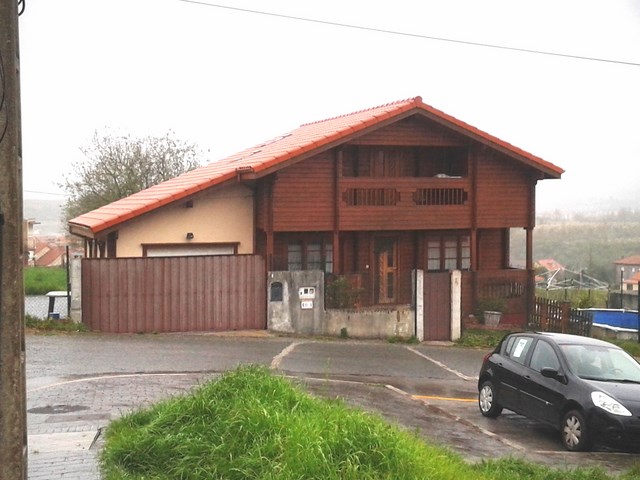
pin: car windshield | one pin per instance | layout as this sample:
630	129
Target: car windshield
602	363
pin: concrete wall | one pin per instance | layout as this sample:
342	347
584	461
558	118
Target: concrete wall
297	311
398	321
293	310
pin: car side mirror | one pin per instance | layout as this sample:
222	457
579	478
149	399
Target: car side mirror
549	372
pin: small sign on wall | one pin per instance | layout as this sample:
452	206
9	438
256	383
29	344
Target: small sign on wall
306	304
307	293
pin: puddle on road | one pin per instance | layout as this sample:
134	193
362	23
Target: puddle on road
57	409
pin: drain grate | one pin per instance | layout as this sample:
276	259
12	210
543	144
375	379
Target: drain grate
57	409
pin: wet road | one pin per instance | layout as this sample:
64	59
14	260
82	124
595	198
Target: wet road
84	381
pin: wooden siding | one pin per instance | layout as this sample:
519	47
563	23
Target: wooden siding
491	249
504	192
414	131
303	195
178	294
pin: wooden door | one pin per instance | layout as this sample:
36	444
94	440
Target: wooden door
437	306
386	270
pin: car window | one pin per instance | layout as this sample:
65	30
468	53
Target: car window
509	345
602	363
520	348
544	357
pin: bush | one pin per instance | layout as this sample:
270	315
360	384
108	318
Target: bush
341	294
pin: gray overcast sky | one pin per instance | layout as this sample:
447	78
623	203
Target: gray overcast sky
227	79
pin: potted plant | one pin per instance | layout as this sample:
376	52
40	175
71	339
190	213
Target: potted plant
490	310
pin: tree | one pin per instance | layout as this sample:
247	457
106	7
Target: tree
118	166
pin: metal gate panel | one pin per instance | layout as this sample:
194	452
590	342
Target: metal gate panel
174	294
437	306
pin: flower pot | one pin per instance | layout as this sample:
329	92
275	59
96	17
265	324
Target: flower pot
492	319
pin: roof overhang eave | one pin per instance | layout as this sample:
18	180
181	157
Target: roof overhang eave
81	230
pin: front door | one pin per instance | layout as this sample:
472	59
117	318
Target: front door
386	272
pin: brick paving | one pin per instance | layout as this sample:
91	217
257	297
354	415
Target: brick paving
64	419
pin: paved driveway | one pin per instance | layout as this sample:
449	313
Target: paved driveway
76	384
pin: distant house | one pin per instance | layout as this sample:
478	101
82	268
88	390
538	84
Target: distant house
371	195
48	254
627	270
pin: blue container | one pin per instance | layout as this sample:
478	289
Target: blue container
615	317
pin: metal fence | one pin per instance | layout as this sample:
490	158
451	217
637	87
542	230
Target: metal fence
39	306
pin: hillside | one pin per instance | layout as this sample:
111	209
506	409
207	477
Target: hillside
582	242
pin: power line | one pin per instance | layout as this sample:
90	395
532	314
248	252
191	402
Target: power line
45	193
414	35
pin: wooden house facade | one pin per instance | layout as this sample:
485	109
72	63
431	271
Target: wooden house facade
371	196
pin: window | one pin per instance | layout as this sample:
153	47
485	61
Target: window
310	255
520	349
544	357
387	162
448	252
294	257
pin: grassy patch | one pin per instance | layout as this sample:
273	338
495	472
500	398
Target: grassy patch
251	424
480	338
50	325
40	280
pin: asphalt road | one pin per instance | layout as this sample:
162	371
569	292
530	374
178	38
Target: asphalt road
76	384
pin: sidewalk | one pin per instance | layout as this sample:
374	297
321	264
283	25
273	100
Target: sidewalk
65	419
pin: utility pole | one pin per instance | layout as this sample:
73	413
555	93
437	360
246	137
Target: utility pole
13	428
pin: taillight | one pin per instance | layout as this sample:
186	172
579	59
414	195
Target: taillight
486	357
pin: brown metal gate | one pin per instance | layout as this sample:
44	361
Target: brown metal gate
174	294
437	306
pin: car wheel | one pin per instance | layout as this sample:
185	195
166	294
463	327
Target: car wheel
575	435
487	400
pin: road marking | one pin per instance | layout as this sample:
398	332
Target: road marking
442	365
277	360
450	399
104	377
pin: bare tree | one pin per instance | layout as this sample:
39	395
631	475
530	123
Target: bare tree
118	166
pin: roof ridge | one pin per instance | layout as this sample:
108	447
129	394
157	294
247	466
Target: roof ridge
417	100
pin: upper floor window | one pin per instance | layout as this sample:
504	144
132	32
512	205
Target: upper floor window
438	162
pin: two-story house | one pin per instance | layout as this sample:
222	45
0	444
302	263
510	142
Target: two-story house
371	195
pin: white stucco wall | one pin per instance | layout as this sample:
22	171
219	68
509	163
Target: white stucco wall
223	215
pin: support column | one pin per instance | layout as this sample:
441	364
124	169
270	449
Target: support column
13	429
456	305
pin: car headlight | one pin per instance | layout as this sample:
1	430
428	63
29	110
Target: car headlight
608	404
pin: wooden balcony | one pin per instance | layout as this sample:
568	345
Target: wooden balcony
404	203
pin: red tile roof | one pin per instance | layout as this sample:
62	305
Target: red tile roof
550	264
632	260
308	139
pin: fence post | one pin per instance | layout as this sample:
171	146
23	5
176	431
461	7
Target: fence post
544	315
75	306
565	309
419	303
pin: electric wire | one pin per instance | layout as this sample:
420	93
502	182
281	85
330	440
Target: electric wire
414	35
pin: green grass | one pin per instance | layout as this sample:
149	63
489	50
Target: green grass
40	280
50	325
480	338
251	424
